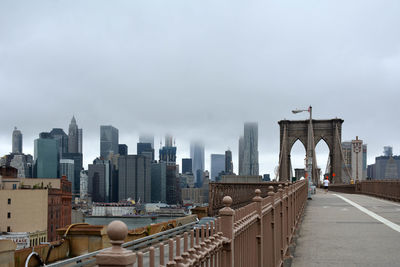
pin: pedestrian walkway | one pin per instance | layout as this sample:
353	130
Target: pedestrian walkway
348	230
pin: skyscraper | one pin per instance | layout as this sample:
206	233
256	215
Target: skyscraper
241	154
134	180
46	157
197	155
67	169
250	149
145	149
16	141
62	140
159	182
168	152
80	140
122	149
228	162
73	137
217	165
147	138
99	180
108	141
186	165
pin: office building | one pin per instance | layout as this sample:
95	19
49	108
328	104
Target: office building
168	152
23	163
354	165
143	138
386	167
122	149
159	182
80	140
387	151
145	149
46	157
73	137
249	151
173	195
84	182
108	141
197	156
228	162
78	164
134	180
16	141
67	169
186	165
217	165
99	180
61	137
241	154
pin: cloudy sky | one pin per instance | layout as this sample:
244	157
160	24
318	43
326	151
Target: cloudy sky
199	69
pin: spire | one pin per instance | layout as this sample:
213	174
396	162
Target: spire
73	121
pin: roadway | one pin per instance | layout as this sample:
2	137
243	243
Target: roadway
348	230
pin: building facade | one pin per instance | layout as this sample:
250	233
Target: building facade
217	165
46	157
99	175
250	149
159	182
228	162
186	165
16	141
108	141
73	137
197	156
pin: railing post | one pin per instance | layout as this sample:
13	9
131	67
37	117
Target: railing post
273	219
227	223
260	241
116	256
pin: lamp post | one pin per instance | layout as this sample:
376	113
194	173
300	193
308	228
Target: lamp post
310	149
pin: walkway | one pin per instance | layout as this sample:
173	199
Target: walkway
336	233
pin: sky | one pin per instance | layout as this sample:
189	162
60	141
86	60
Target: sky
200	69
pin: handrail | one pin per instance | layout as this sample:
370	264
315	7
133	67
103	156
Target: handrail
132	245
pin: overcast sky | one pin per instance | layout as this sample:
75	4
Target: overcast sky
199	70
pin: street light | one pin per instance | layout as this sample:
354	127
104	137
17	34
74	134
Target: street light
310	154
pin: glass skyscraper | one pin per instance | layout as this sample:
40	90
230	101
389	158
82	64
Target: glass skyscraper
108	141
46	157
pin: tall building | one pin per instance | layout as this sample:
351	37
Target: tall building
250	149
168	152
67	169
173	195
73	137
122	149
61	137
23	163
228	162
217	165
387	151
78	164
80	140
354	160
145	149
186	166
143	138
197	155
385	167
99	180
108	141
84	181
134	179
241	154
46	157
159	182
16	141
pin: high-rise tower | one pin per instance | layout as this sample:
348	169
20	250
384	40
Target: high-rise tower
108	141
250	149
16	141
197	155
228	162
73	137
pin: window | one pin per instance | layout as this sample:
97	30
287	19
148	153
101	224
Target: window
14	186
9	201
8	215
8	229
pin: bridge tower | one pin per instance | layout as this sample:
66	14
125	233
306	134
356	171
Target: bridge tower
330	131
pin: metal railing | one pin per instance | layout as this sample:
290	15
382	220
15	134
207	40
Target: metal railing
258	234
138	244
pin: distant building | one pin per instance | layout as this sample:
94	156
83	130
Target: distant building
80	140
145	149
299	173
168	152
385	167
197	155
266	177
134	178
187	165
228	162
388	151
354	161
108	141
46	157
217	165
122	149
173	186
250	149
84	181
78	165
143	138
241	154
67	169
16	141
99	177
159	182
61	137
23	163
73	137
241	179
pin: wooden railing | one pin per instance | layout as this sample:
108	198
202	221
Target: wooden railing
258	234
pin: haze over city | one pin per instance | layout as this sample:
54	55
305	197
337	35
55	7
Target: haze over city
199	71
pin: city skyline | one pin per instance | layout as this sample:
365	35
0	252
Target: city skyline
168	70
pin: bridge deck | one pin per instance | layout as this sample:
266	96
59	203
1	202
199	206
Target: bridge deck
335	232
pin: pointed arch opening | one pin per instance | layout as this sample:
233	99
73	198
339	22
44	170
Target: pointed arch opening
297	159
322	154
